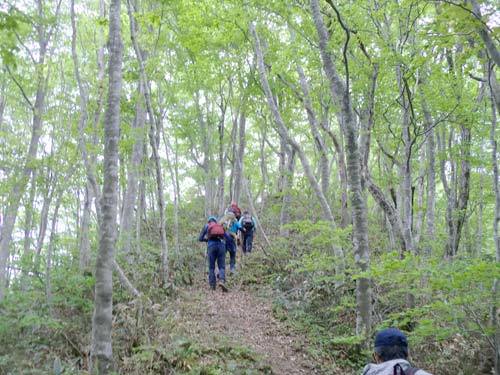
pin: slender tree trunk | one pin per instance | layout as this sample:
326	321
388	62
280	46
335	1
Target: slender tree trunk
50	252
222	158
234	132
431	180
318	138
419	217
405	167
282	164
238	171
494	311
448	187
390	211
287	196
172	168
478	246
88	161
3	102
101	350
154	138
300	152
130	198
263	171
20	183
342	170
84	260
340	92
464	185
28	224
44	218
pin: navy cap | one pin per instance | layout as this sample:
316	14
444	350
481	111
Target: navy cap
390	337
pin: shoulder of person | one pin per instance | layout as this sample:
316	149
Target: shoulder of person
366	369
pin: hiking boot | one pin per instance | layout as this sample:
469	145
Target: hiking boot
212	287
223	286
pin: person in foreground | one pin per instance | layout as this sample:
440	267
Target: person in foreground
391	355
213	233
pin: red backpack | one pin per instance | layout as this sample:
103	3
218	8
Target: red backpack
235	210
215	230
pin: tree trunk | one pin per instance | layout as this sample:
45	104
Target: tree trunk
496	221
419	217
318	139
28	221
234	132
431	180
405	166
174	177
238	167
3	101
88	162
44	218
287	196
340	92
50	251
154	138
300	152
101	350
84	260
222	158
20	183
342	170
130	198
263	171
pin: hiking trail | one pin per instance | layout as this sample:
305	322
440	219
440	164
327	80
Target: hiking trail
241	318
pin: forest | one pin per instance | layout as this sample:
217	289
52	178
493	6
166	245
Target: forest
360	135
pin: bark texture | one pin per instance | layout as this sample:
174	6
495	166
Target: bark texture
101	350
340	92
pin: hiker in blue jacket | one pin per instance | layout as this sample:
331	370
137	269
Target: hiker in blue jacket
230	237
247	224
213	233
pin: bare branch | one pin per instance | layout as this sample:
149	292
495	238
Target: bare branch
20	88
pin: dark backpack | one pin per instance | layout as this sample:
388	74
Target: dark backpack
215	230
247	222
398	370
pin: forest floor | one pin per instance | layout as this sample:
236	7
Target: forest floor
241	318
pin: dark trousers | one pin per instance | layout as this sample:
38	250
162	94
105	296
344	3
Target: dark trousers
247	241
231	249
216	253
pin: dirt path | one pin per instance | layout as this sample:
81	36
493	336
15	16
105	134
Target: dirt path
241	318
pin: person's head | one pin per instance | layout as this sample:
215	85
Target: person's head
246	213
234	204
212	219
390	344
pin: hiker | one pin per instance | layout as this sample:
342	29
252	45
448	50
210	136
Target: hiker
213	233
391	355
235	210
247	223
231	236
